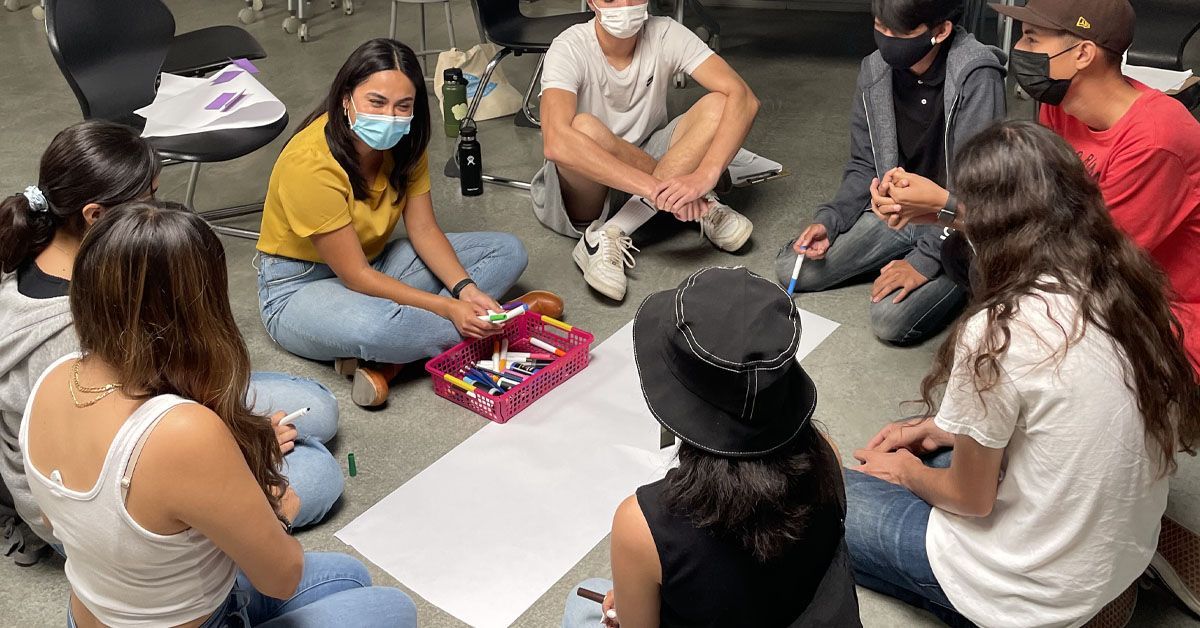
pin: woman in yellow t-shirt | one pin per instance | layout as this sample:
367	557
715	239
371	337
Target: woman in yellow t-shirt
330	284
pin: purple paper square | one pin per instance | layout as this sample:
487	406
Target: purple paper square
220	101
225	77
245	65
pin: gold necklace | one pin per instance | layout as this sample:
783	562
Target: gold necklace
100	391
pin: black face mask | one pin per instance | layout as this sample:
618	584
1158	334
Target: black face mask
904	52
1032	70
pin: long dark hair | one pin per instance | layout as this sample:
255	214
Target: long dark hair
907	16
764	504
377	55
150	297
89	162
1032	211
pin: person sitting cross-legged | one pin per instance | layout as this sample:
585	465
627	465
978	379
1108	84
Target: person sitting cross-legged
614	156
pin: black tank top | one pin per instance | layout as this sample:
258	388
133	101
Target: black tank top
710	581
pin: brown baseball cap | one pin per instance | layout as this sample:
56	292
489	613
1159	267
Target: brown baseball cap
1108	23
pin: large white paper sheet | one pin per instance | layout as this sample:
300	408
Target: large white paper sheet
487	529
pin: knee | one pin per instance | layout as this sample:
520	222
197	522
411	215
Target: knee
711	106
590	126
890	322
785	262
336	566
511	248
394	603
324	413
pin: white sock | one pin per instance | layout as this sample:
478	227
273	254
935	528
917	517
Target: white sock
632	215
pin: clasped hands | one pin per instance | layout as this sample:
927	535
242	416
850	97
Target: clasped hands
897	449
902	197
684	196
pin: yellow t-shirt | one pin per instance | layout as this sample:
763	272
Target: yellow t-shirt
310	194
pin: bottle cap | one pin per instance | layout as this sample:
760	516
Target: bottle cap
452	75
467	129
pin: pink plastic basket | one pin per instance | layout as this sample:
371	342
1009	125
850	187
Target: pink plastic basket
500	408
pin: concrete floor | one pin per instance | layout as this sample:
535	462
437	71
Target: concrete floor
802	66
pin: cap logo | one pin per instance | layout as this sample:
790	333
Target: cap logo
1083	23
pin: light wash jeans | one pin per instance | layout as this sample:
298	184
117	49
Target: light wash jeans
335	590
864	250
311	313
582	612
311	470
885	532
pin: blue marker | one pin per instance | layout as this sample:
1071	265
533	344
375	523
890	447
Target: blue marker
796	271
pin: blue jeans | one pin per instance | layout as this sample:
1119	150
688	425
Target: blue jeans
334	590
582	612
885	532
864	250
311	313
311	470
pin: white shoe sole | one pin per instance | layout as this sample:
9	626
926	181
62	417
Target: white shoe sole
1161	569
738	242
581	260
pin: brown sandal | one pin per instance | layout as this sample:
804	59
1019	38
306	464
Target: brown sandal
372	383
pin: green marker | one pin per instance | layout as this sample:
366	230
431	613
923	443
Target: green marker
353	468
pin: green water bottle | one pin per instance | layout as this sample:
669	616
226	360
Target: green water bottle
454	100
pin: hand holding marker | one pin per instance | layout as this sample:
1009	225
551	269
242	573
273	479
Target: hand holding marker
287	420
588	594
796	270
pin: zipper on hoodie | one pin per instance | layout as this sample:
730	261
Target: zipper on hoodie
871	134
946	135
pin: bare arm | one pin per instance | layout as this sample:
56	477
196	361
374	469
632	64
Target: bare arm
967	488
637	573
192	466
566	146
741	107
430	241
343	253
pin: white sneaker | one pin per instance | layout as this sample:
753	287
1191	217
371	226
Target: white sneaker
602	254
727	229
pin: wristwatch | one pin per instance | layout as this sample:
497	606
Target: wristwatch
947	214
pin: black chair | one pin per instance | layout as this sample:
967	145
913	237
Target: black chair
204	50
502	23
111	54
1164	28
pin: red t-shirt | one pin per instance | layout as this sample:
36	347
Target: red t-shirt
1148	168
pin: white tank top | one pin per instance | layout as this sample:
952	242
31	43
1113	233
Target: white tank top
123	573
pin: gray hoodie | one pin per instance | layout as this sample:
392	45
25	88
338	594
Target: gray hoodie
975	97
33	334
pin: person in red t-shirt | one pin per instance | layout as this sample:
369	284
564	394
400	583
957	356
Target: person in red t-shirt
1142	146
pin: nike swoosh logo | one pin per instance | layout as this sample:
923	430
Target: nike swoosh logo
588	245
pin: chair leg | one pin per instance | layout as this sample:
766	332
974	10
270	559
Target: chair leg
450	25
424	43
222	213
483	81
392	30
525	117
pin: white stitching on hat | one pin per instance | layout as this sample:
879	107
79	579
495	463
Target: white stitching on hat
708	356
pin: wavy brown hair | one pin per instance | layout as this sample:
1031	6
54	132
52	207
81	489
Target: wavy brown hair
149	296
1032	212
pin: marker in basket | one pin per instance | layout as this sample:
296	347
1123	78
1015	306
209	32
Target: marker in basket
460	384
597	598
557	323
287	420
547	346
503	353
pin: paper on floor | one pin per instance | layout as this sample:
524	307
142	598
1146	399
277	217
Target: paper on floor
487	529
185	105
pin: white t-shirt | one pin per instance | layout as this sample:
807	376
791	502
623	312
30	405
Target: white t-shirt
632	102
1076	518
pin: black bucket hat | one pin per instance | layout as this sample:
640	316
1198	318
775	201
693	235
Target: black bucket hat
717	362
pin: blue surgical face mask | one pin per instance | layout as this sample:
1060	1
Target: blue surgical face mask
380	132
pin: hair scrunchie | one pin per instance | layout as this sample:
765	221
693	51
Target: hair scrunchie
37	200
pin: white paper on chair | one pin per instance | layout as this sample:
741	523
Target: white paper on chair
487	529
230	99
1157	78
